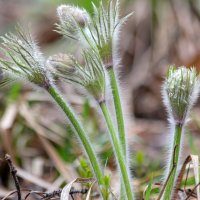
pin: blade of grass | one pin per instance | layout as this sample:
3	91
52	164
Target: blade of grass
148	190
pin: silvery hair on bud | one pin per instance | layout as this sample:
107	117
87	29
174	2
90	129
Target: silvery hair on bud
189	91
22	58
180	92
67	13
57	61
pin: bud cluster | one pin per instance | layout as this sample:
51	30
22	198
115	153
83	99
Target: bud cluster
98	32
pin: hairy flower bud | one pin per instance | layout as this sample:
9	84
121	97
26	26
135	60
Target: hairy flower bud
91	75
180	91
72	15
59	60
22	58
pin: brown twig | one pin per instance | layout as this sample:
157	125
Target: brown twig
72	192
13	192
13	172
52	194
56	193
41	194
192	191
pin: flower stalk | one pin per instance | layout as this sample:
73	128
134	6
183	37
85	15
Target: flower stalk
81	133
99	35
119	117
93	78
174	162
118	152
180	92
118	110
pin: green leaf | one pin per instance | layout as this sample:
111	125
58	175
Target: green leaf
14	92
140	157
86	110
148	191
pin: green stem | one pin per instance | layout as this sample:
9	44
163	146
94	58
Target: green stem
119	116
81	133
118	152
173	163
118	109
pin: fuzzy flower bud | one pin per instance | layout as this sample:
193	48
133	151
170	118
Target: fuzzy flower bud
67	13
180	92
60	60
91	75
72	19
22	58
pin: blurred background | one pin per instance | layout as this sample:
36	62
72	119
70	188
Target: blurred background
34	132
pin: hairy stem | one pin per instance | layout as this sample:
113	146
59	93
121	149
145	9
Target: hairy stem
118	109
80	133
119	117
173	162
118	152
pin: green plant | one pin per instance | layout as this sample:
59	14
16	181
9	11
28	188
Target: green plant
98	73
180	92
24	61
98	35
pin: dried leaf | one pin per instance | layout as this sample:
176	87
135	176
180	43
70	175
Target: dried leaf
65	194
89	191
67	171
195	161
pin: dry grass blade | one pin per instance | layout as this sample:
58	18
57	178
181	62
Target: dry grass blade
57	183
180	176
67	171
3	192
6	125
26	113
33	179
8	194
65	194
195	161
89	191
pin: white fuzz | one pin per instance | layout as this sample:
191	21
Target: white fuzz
67	13
22	57
91	75
97	33
72	21
180	91
58	60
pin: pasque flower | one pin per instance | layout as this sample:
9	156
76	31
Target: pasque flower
72	20
100	36
89	75
180	91
97	32
22	58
